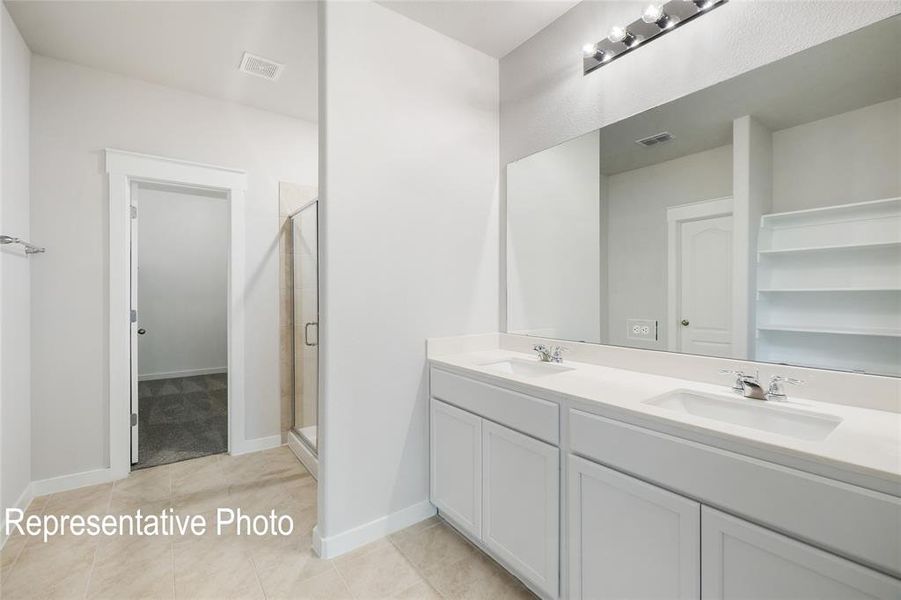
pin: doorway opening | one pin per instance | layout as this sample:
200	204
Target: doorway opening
179	332
163	264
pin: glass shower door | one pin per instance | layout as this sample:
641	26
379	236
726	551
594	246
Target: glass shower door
304	229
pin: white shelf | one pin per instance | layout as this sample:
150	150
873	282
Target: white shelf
837	331
832	248
838	213
865	224
829	287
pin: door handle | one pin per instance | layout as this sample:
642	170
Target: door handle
684	322
142	331
306	333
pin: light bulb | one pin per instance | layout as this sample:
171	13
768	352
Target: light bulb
617	34
621	34
653	13
589	50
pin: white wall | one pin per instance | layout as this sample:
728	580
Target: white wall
76	112
15	269
553	242
636	235
852	157
752	173
409	246
183	282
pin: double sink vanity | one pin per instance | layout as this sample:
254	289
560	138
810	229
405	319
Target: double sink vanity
588	481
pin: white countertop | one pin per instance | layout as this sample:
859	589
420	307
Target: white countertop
864	449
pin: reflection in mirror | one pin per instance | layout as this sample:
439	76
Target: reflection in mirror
757	219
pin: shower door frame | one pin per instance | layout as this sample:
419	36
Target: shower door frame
123	169
299	444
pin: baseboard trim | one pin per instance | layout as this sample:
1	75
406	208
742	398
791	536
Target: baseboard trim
22	503
351	539
186	373
257	444
64	483
303	454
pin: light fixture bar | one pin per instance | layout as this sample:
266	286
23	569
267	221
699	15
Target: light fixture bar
657	19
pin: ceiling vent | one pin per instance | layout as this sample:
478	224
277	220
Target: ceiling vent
657	138
261	67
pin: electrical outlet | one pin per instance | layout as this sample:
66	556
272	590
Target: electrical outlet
641	329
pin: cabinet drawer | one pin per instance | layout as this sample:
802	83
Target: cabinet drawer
861	524
532	416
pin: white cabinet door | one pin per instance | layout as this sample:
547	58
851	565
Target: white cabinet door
744	561
456	465
521	523
630	539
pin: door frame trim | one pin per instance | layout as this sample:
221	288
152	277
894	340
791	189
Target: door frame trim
675	216
123	168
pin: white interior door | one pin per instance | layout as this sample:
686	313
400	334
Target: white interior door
705	286
133	258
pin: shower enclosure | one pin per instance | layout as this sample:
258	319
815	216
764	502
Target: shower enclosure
305	243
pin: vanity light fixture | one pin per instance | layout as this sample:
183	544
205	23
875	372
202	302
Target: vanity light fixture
656	20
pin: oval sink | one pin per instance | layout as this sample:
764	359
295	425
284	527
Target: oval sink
756	414
525	368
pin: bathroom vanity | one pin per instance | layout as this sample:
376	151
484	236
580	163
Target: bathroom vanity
754	224
587	481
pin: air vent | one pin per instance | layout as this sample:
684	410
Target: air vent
261	67
657	138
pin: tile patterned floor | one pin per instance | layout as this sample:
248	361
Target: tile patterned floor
428	560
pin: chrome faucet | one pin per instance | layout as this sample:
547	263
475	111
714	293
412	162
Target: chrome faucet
552	354
746	385
750	387
776	391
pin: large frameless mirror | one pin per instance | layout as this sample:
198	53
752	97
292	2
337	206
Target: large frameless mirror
759	218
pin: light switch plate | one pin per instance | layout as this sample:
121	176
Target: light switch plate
641	329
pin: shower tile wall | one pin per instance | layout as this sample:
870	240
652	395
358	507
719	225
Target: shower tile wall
291	197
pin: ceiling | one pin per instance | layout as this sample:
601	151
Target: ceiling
493	26
194	46
197	45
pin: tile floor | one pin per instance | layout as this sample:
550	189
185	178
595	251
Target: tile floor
427	560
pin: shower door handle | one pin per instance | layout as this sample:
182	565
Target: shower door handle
306	334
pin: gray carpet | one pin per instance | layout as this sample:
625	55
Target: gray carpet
181	419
